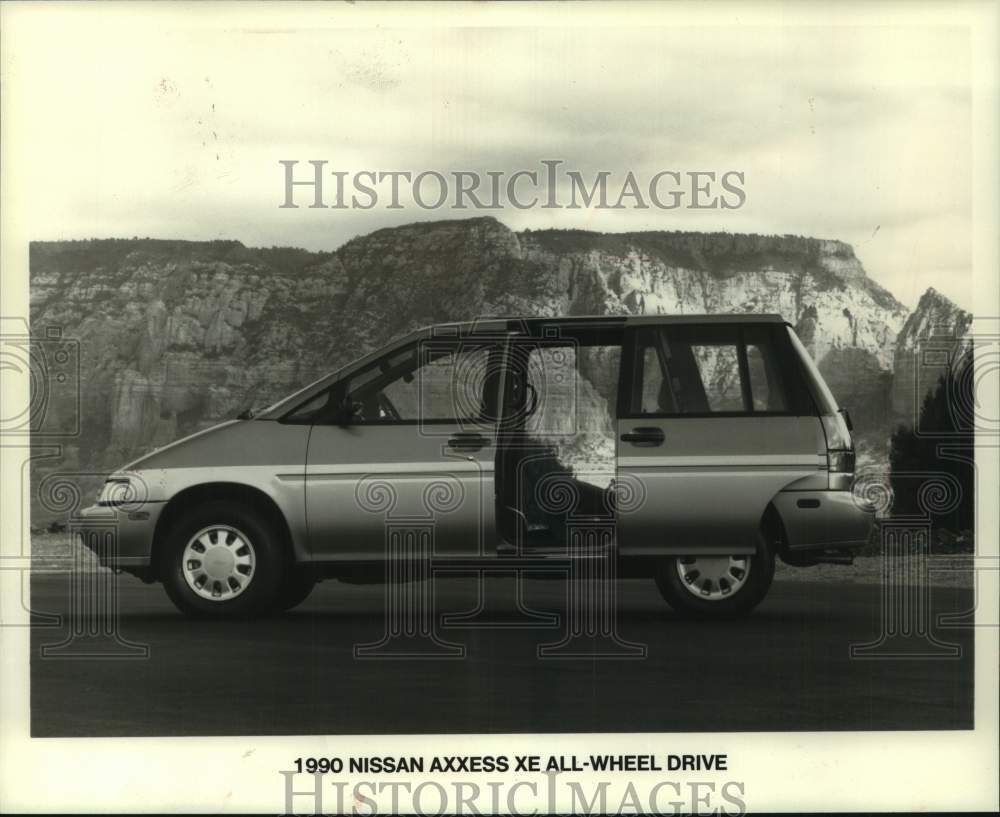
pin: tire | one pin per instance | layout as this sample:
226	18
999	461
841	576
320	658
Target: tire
703	593
243	569
294	590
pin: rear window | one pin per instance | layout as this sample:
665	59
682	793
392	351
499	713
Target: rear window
715	370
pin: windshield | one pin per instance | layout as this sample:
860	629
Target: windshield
289	402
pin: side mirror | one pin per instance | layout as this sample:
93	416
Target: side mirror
847	419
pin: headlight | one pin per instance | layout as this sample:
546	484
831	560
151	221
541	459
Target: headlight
119	491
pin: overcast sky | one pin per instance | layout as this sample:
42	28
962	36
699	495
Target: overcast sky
171	130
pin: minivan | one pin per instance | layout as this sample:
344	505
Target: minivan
704	447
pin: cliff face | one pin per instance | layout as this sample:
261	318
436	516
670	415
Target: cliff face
818	285
933	335
175	336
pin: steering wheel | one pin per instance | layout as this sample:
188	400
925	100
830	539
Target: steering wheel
386	407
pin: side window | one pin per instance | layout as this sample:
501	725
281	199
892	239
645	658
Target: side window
713	383
429	381
704	370
687	370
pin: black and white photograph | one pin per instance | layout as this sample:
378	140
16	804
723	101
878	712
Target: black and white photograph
499	408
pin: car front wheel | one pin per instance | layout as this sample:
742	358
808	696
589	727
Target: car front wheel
716	586
222	560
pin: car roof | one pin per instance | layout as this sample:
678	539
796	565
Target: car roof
530	324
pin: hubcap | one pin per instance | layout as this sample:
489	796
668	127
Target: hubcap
219	563
713	578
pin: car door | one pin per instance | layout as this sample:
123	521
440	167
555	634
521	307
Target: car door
714	420
409	441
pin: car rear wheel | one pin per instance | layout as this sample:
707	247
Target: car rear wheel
716	586
222	560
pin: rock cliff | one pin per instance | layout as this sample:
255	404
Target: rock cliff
933	335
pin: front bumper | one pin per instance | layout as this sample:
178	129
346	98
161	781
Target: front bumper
121	538
821	520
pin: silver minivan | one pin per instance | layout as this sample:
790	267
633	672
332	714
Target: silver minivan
693	450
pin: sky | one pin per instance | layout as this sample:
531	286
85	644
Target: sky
174	127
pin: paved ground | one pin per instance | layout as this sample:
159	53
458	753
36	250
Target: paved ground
785	668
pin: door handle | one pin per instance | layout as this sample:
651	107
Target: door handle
645	436
468	441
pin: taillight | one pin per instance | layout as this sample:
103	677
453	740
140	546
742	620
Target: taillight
840	462
840	457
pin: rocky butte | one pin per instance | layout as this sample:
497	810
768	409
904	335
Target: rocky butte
177	335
